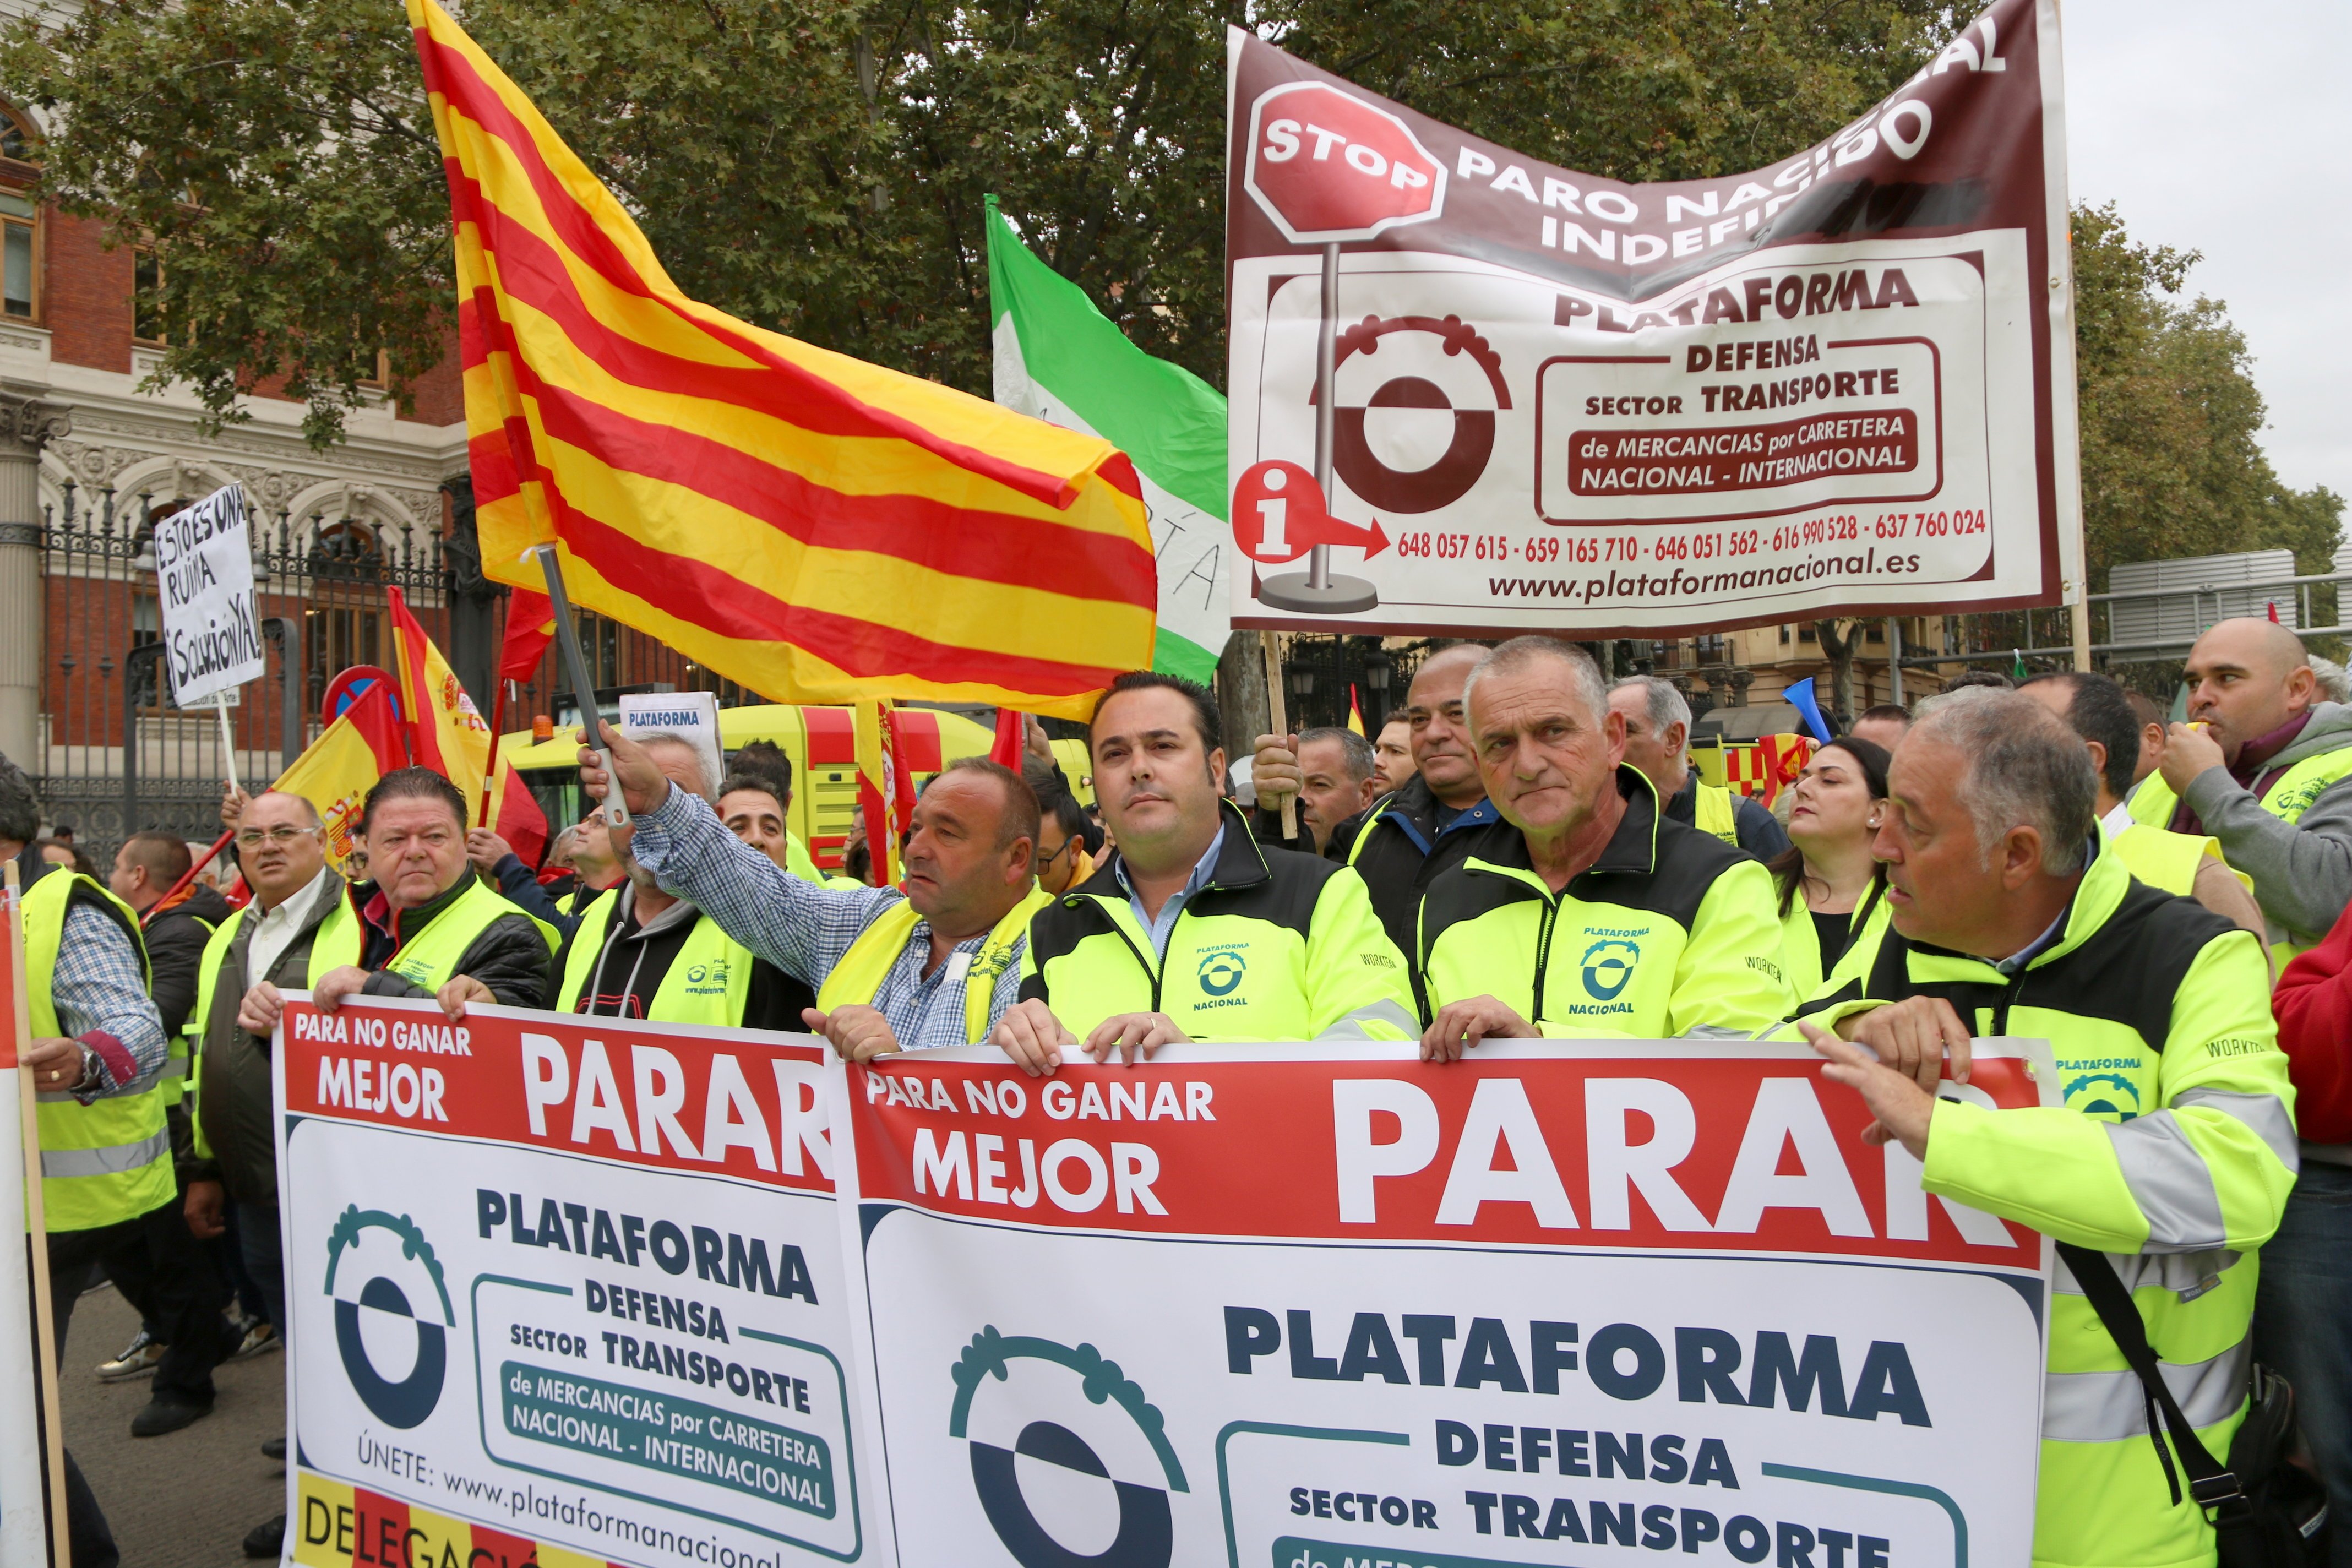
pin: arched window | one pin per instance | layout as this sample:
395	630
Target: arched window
18	140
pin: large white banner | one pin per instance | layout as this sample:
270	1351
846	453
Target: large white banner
203	582
562	1290
1471	391
1299	1306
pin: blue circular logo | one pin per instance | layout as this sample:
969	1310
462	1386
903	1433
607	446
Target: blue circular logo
1220	971
377	1317
1051	1436
1607	965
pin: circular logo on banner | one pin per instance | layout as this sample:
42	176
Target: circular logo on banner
1070	1464
394	1343
1220	971
1607	965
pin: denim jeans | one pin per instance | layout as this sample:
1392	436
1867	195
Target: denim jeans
2303	1329
257	1239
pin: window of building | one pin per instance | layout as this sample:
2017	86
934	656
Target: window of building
20	223
17	138
147	297
20	271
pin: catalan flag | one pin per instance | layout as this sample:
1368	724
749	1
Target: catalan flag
811	526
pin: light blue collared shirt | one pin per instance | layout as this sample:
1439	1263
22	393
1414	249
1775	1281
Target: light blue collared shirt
1165	926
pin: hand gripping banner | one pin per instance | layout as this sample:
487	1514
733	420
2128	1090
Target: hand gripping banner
1332	1307
1472	392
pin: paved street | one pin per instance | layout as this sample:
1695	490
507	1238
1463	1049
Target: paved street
184	1500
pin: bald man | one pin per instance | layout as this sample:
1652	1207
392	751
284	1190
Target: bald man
2265	768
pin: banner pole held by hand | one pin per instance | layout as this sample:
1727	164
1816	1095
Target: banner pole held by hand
228	744
1278	715
615	811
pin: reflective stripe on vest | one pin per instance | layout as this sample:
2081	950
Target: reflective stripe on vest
429	957
1712	811
859	977
110	1161
709	981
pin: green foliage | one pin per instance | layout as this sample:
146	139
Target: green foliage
820	168
279	160
2172	464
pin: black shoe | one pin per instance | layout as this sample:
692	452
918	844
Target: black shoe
164	1415
274	1448
267	1539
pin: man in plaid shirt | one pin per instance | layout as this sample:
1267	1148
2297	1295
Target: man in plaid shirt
970	861
107	1177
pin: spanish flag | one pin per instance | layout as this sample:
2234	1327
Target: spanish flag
335	772
446	731
811	526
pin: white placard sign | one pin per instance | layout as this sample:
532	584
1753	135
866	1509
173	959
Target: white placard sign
203	583
689	715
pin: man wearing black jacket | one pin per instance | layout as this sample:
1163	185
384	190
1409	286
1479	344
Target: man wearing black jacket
147	867
283	854
1429	824
427	921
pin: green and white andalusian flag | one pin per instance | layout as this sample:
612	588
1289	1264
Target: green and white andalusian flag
1059	360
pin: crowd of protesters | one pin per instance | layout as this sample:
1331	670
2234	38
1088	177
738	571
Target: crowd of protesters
2167	899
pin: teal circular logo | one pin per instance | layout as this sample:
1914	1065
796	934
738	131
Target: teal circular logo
1070	1429
383	1311
1607	965
1220	971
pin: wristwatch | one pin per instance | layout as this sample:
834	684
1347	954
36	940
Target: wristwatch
90	1079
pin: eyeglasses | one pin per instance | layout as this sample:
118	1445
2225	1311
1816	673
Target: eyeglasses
1045	860
254	837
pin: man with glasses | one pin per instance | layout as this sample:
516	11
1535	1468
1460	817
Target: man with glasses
268	941
1062	858
427	921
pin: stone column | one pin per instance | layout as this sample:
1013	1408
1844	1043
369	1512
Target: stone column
26	423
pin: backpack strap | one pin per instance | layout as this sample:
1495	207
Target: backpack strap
2215	1489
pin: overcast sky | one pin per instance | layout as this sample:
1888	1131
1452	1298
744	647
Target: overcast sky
2226	129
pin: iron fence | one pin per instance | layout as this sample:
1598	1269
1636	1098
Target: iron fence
116	755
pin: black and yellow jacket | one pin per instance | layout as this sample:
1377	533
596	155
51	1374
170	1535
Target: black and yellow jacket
2173	1154
1277	946
1670	930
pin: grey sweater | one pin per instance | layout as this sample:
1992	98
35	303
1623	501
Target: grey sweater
2302	869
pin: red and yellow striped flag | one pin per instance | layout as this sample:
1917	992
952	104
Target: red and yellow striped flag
446	730
811	526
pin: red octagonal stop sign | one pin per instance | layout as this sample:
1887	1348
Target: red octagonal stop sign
1327	166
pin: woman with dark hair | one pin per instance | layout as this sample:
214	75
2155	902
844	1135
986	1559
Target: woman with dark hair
1833	910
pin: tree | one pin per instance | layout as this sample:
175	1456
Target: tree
819	168
2172	462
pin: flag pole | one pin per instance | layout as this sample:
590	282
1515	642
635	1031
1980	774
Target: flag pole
498	722
615	811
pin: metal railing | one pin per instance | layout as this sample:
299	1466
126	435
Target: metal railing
117	754
2311	605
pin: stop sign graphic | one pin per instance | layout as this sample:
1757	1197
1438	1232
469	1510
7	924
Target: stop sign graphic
1327	166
